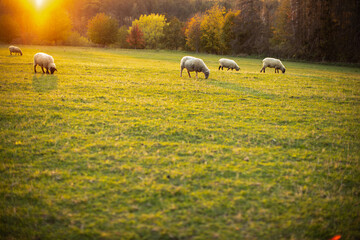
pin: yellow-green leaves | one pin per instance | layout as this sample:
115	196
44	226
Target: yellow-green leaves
152	27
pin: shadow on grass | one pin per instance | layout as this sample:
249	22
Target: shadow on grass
238	88
44	82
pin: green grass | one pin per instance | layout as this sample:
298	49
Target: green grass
115	145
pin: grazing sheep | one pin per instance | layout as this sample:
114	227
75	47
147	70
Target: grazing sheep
44	61
15	50
194	64
229	64
273	63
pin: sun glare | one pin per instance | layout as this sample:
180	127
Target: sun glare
39	3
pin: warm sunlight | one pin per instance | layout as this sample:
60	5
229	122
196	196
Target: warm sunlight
39	3
34	16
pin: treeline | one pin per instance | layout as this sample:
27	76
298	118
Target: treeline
318	30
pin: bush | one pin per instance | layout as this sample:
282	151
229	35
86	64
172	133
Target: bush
121	37
102	29
135	38
75	39
152	27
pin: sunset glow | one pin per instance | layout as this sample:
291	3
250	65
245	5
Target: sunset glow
39	3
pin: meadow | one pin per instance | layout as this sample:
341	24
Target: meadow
116	145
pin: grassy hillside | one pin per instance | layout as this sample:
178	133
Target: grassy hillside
115	145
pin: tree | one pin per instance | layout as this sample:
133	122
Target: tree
102	29
173	34
122	36
211	30
75	39
347	30
8	28
61	29
282	31
153	28
249	28
193	33
135	37
268	18
227	33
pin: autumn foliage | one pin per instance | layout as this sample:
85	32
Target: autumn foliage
211	30
152	27
301	29
193	33
136	37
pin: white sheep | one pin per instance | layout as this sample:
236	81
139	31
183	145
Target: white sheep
194	64
44	61
273	63
229	64
14	49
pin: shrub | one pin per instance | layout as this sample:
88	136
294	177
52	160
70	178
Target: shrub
75	39
102	29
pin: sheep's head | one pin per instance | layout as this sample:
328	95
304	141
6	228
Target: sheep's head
283	70
52	70
207	73
237	68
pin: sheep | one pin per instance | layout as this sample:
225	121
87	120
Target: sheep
229	64
194	64
44	61
273	63
15	50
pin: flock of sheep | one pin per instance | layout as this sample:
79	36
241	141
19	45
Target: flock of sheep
191	64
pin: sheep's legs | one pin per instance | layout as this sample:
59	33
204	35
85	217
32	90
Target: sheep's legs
35	68
197	75
219	67
42	69
181	72
47	70
263	69
189	74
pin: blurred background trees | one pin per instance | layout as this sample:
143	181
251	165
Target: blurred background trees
319	30
173	37
193	33
135	37
102	29
211	30
152	26
59	28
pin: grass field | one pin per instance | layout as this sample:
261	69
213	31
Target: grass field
116	145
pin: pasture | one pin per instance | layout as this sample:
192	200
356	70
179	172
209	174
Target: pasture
115	145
